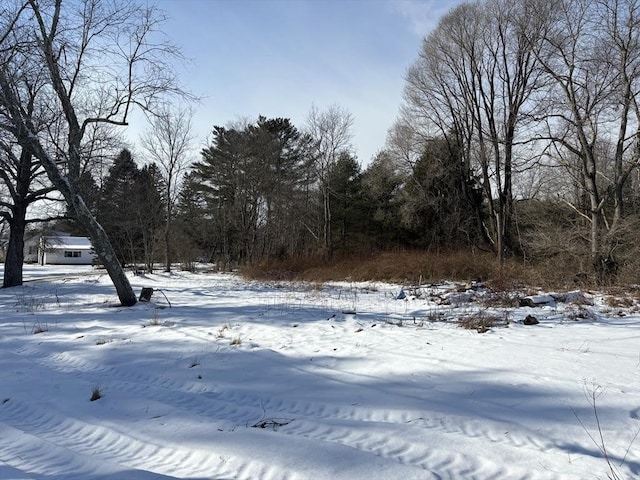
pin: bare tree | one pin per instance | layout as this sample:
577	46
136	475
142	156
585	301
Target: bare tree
473	84
23	178
25	183
622	36
168	143
99	60
590	52
331	132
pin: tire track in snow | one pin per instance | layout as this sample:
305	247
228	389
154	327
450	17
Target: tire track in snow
31	454
412	447
236	408
112	445
69	448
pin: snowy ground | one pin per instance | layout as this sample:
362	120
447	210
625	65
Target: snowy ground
244	380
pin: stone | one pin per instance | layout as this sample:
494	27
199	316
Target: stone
145	294
537	301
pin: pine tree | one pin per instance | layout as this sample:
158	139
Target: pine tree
138	192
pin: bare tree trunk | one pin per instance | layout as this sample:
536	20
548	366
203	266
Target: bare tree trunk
331	133
595	236
168	143
328	238
15	249
99	239
168	240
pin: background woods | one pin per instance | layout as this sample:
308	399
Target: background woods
518	137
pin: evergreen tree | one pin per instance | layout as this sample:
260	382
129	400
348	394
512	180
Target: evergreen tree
381	183
130	209
281	154
224	176
439	200
254	181
195	228
347	200
91	195
115	199
149	211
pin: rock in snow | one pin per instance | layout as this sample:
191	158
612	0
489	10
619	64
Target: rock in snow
537	301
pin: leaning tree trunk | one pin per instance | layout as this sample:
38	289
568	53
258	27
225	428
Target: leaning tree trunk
82	214
99	239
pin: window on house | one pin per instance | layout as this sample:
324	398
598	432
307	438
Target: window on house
72	254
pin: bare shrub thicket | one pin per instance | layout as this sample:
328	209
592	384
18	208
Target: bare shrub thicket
411	267
564	270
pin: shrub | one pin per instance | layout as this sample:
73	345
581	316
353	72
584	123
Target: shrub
96	393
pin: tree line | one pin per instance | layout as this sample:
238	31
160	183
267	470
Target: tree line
539	101
519	134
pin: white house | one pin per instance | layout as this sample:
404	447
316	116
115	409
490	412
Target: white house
65	250
31	248
4	243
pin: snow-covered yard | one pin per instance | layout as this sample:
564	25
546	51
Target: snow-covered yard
246	380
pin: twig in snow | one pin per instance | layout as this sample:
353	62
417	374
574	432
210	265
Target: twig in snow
273	423
592	395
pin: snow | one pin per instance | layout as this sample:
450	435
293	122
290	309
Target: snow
58	242
249	380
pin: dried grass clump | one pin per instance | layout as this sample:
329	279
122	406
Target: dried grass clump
96	393
483	321
619	302
502	299
39	327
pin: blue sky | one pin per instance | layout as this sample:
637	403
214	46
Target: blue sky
279	57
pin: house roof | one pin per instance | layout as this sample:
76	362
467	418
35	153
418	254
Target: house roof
76	243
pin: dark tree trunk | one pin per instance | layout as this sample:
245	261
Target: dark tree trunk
15	249
18	221
167	242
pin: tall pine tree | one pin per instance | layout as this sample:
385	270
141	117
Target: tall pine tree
138	193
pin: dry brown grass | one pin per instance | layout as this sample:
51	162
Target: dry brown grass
408	267
415	267
629	272
617	297
402	267
482	322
